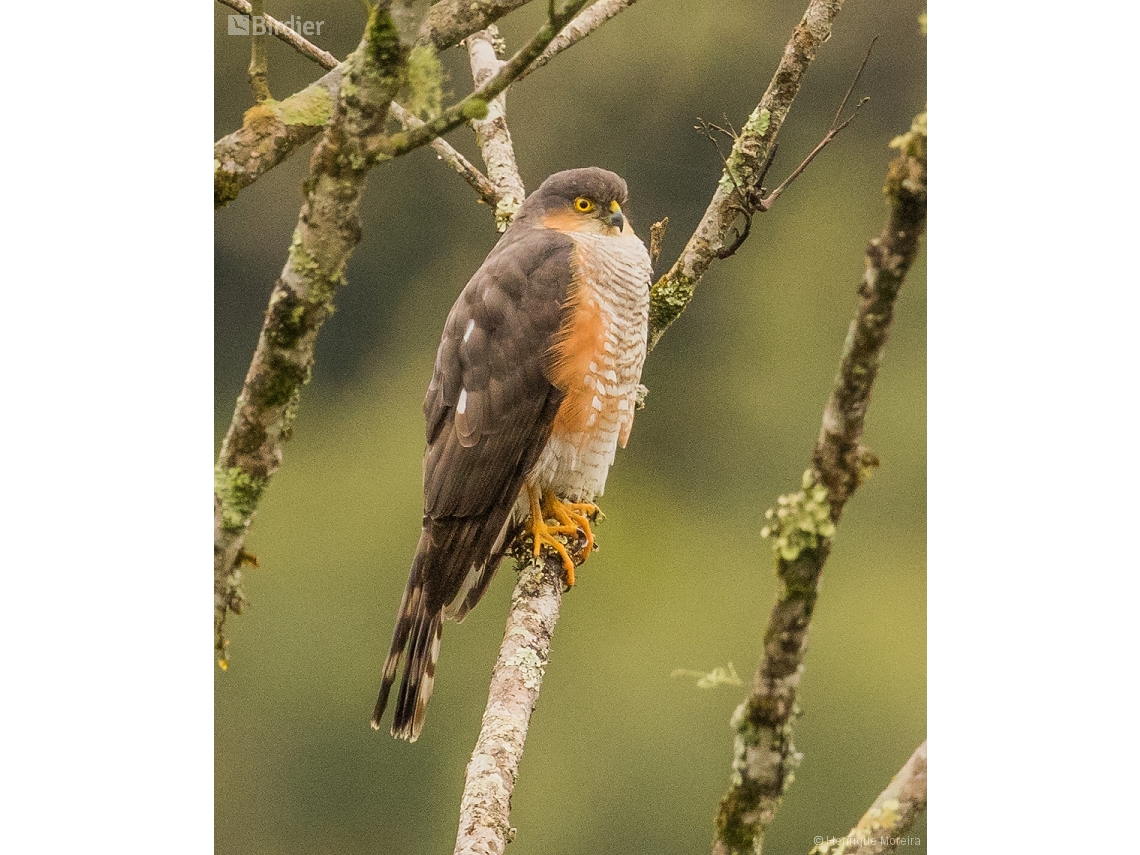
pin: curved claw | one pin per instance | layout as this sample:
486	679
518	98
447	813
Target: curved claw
573	518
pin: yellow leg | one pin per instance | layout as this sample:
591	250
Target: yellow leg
544	534
570	516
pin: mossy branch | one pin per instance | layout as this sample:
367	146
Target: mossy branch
474	106
738	191
802	524
884	826
273	130
485	809
269	136
327	231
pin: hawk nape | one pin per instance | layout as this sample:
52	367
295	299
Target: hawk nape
534	388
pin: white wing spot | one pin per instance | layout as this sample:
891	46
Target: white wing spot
467	333
611	375
592	420
462	408
593	366
596	403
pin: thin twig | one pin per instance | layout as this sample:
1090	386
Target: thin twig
656	236
882	828
470	173
832	132
744	170
802	526
258	58
590	19
485	809
491	132
287	34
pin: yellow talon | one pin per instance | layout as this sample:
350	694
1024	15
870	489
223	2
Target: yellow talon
572	517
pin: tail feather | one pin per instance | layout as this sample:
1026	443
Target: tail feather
419	677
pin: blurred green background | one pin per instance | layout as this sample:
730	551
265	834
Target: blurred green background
621	757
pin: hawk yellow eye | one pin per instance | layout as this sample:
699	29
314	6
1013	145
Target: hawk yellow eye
583	205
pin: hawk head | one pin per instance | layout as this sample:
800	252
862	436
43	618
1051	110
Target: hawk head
579	200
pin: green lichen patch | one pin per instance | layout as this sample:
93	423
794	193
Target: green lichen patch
239	492
475	108
425	82
799	520
913	142
312	107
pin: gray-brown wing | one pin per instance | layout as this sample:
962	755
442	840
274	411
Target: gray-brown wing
490	406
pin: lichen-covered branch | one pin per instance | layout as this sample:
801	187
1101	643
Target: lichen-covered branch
491	132
738	192
474	106
327	231
273	130
884	826
449	22
839	458
485	810
447	153
802	524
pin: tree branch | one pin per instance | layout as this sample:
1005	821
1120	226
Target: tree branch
491	132
476	179
258	58
578	29
287	34
739	187
327	231
474	106
801	527
882	827
272	131
485	809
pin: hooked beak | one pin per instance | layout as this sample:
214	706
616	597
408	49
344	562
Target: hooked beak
615	217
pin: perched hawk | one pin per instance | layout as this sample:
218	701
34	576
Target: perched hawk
534	388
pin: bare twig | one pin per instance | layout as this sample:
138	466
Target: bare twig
882	828
258	58
328	229
491	132
832	132
287	34
739	186
590	19
804	522
479	182
485	810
